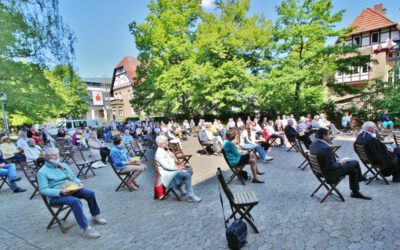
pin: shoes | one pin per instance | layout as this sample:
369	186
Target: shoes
260	173
132	186
258	181
358	195
91	233
19	190
17	179
194	198
268	158
98	220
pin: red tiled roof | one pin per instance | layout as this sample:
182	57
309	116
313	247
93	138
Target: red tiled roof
129	63
370	19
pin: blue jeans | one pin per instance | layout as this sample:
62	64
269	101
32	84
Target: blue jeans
185	177
9	171
257	148
76	205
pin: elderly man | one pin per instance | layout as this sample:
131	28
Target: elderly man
378	153
23	140
10	151
97	147
33	152
11	173
172	173
60	185
124	164
292	134
333	168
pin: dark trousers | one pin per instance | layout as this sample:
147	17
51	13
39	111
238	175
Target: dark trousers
76	205
265	145
104	152
18	158
353	170
306	139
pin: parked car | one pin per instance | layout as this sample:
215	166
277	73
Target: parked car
71	125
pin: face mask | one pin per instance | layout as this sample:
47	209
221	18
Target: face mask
373	135
55	162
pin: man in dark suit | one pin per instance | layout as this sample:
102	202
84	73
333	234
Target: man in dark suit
292	134
387	158
333	169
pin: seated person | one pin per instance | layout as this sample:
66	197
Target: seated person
324	123
273	134
127	138
78	138
215	139
34	153
246	144
315	122
236	158
61	134
11	173
204	138
252	137
386	120
22	141
303	127
172	173
100	150
333	168
10	151
122	162
32	134
60	185
387	157
292	134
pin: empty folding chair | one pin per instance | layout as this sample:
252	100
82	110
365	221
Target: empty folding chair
179	155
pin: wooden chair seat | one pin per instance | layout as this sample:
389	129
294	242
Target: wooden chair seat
245	198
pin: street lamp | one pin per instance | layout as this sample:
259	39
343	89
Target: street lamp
3	97
396	51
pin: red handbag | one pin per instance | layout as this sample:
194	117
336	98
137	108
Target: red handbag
159	189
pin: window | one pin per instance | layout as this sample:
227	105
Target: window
355	70
120	113
357	40
375	37
338	73
365	68
69	125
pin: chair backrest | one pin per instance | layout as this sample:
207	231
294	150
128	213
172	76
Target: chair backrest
77	155
290	139
226	159
302	149
396	137
224	186
313	160
360	151
155	163
176	149
30	170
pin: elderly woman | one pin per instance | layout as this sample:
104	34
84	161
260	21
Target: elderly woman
60	185
173	174
98	149
122	162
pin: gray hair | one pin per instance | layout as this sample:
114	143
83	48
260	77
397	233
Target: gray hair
368	125
290	122
50	151
30	140
160	139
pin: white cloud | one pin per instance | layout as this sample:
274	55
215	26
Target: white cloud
208	4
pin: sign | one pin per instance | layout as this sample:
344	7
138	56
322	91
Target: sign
97	97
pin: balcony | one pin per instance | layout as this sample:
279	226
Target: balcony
115	102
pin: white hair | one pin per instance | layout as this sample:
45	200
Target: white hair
160	139
368	125
50	151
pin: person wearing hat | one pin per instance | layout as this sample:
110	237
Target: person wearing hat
9	170
10	151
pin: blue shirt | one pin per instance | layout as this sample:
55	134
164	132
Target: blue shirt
119	158
127	139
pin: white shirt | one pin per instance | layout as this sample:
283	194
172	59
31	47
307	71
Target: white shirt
22	143
32	153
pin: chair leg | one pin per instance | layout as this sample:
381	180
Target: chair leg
243	214
34	194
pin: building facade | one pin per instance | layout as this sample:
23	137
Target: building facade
121	88
373	32
99	93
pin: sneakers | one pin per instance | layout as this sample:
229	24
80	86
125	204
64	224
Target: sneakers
194	198
98	220
19	190
268	158
91	233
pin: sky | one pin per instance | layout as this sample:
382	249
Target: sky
103	37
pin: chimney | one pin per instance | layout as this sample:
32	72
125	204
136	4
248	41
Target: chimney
379	8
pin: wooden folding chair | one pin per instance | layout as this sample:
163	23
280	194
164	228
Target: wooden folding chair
83	165
3	179
65	150
330	187
303	152
396	138
55	211
293	144
206	146
235	170
30	170
373	168
273	142
171	189
182	158
123	177
134	150
241	203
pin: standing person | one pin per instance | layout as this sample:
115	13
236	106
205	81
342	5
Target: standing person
236	158
172	173
346	119
124	164
10	171
60	185
333	168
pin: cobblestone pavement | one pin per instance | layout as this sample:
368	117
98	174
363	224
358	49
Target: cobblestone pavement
288	218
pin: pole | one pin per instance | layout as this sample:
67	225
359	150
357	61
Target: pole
396	70
4	117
